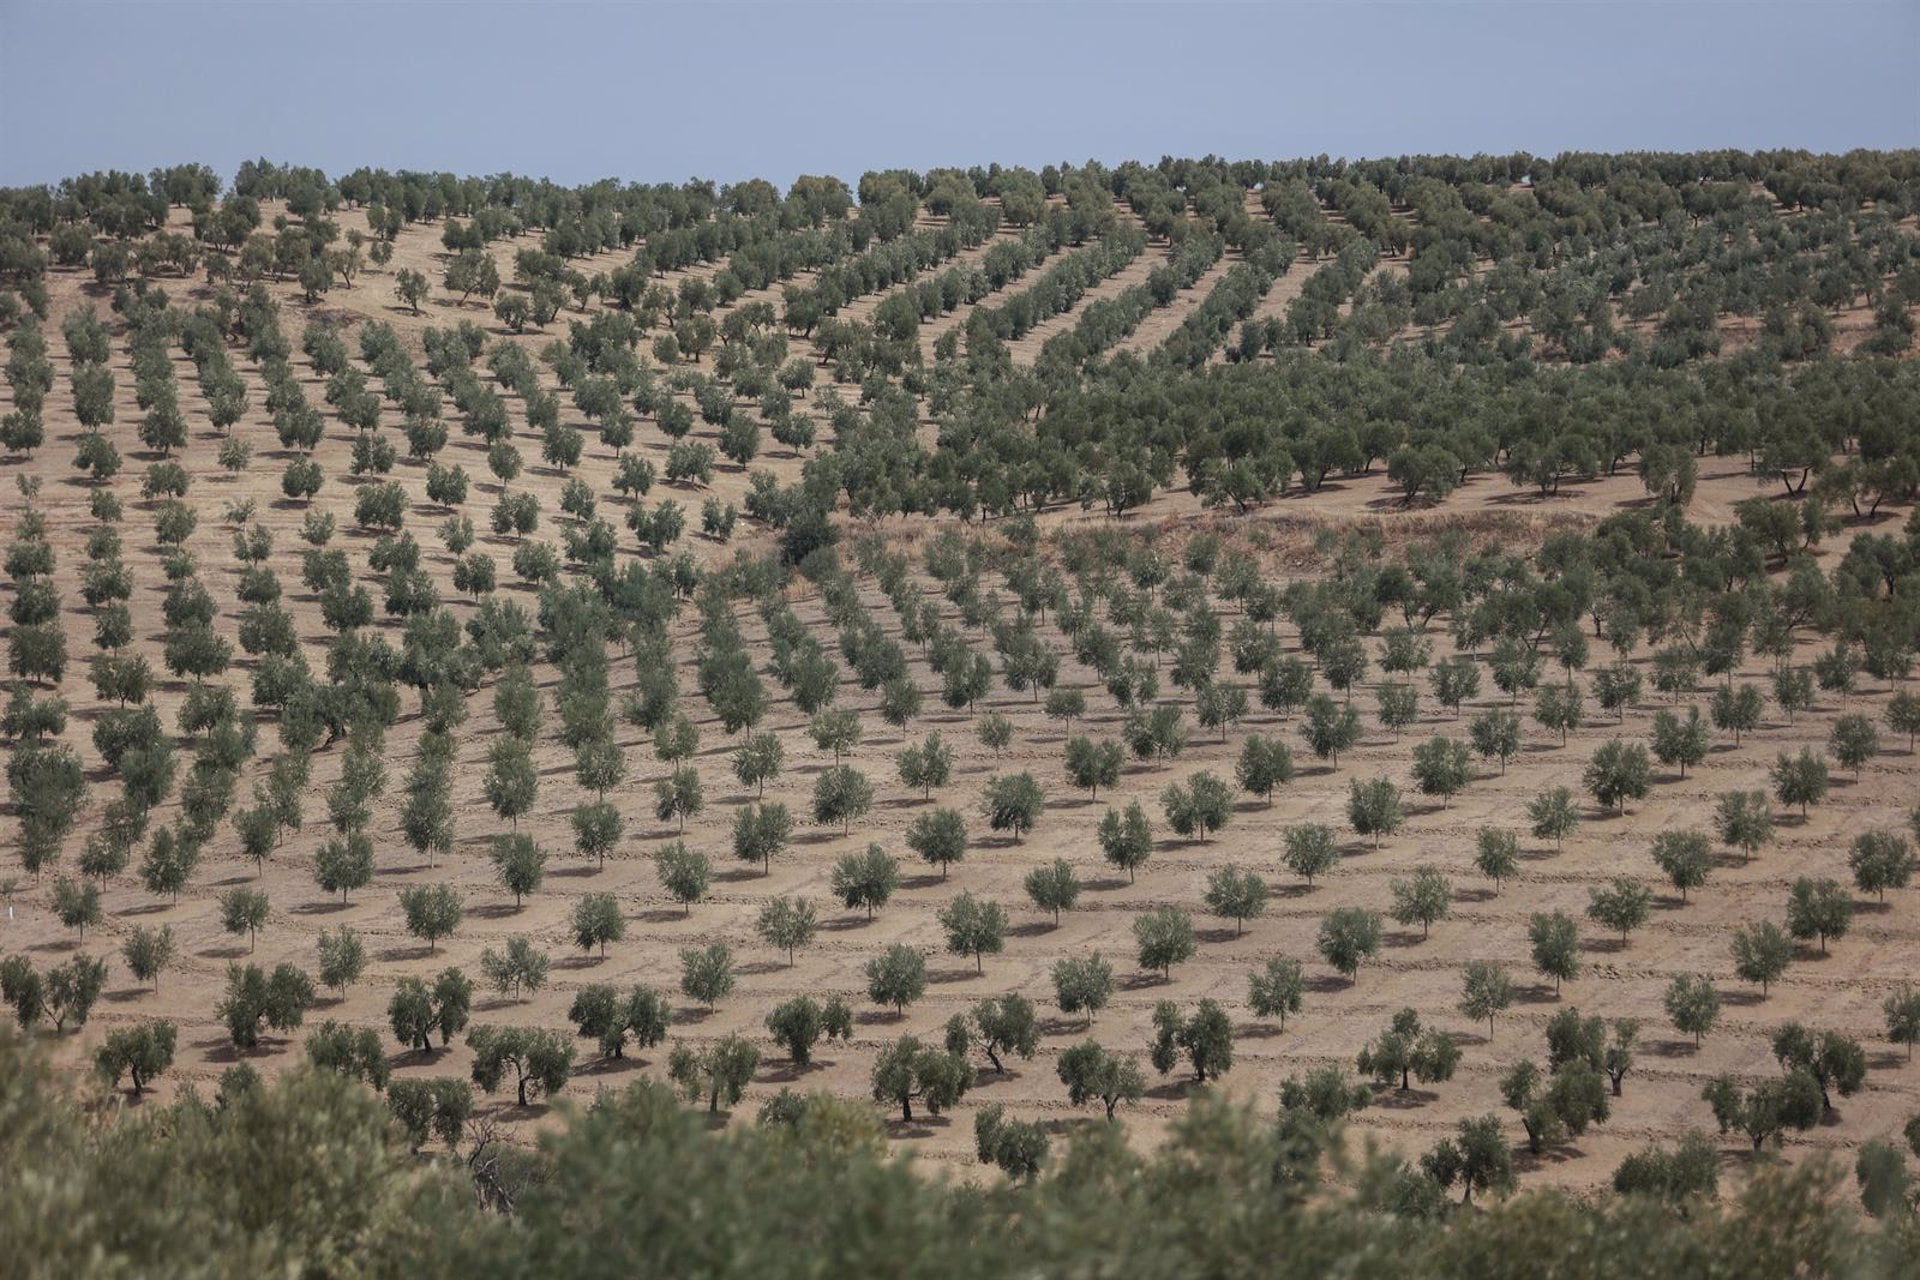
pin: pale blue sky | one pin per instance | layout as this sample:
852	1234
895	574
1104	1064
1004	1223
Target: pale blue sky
726	90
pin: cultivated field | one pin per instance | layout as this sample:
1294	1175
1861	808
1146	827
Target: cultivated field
973	576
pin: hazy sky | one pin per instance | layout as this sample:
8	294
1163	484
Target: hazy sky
665	91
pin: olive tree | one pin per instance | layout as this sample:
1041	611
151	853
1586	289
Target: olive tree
1854	741
1276	991
866	879
787	924
139	1052
1441	768
761	831
1818	909
1053	888
1125	839
1237	895
1165	938
1497	855
1555	1107
1092	1073
417	1010
1013	803
1685	858
897	976
1800	779
597	921
1265	764
841	794
706	973
516	970
939	837
686	874
799	1024
432	912
1618	772
974	927
149	952
908	1070
256	1000
1310	851
1477	1158
1082	984
1205	1039
1555	941
1374	808
1880	860
1622	906
1765	1112
1486	992
1744	821
1761	954
1330	728
1407	1049
1006	1025
1425	898
1678	742
1692	1004
519	863
1903	1018
1348	937
1554	815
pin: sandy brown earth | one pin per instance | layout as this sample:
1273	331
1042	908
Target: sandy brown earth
1840	991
